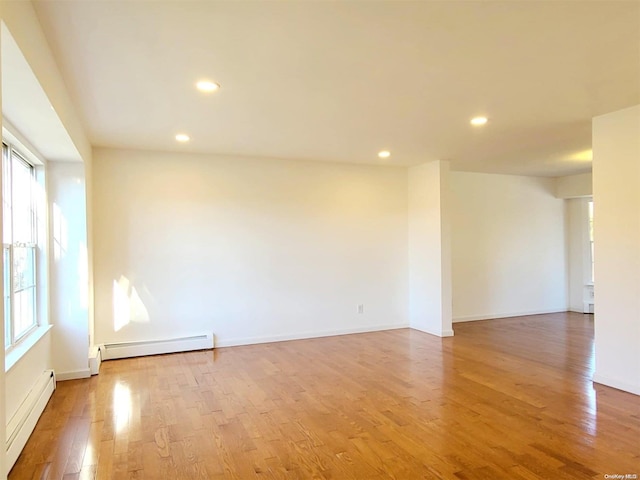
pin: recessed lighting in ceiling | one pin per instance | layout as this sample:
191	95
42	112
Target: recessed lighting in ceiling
182	137
478	121
207	86
384	154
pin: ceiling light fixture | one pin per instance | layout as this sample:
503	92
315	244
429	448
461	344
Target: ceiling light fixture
182	137
478	121
207	86
384	154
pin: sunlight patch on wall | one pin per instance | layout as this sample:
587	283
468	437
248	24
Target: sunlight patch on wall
127	305
583	156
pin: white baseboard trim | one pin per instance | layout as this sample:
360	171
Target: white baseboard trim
111	351
473	318
578	310
234	342
73	375
21	425
95	359
445	333
616	383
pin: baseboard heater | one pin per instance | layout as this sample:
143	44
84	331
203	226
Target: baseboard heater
111	351
23	422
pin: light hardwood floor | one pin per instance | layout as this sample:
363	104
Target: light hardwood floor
507	398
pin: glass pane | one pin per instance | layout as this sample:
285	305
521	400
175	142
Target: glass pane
24	311
24	274
591	239
593	278
21	185
591	221
6	264
6	195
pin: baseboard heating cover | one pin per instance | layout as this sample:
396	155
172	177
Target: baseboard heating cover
110	351
95	359
23	422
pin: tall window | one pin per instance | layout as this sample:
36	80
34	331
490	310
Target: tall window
591	238
19	245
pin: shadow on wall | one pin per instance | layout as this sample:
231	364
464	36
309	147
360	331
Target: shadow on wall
60	231
127	305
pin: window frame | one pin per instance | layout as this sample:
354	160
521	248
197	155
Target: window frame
12	340
590	215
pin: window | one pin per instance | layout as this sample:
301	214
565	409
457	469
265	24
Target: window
591	238
19	245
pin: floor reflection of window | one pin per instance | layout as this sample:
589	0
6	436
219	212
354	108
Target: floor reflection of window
121	406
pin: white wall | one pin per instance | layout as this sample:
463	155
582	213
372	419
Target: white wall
429	249
574	186
22	376
508	246
69	269
616	196
88	187
250	249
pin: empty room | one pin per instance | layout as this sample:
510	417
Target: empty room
320	240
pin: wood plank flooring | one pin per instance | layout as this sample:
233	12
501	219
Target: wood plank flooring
508	398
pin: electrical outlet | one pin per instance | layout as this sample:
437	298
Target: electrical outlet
361	308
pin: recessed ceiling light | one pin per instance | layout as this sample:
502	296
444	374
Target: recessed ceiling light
384	154
207	86
477	121
182	137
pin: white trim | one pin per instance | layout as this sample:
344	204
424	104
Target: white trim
21	425
73	375
473	318
616	383
233	342
25	148
95	359
577	310
110	351
588	295
26	344
443	334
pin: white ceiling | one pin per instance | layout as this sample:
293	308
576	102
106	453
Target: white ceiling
339	81
27	109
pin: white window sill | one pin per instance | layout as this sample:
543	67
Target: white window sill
24	346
